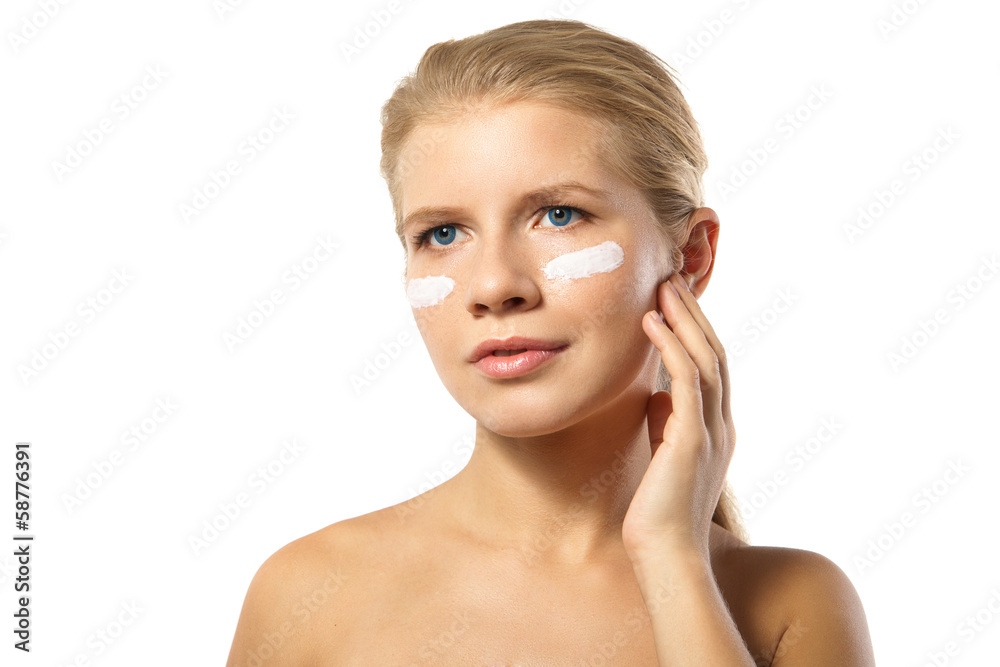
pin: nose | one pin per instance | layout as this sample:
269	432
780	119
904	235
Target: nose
502	278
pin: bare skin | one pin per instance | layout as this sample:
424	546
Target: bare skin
406	586
503	564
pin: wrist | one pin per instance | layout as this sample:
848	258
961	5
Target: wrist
669	558
677	549
671	573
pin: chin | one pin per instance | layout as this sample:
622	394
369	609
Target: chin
522	411
532	409
514	423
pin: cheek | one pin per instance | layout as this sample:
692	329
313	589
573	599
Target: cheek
429	291
604	292
586	281
597	275
602	258
601	271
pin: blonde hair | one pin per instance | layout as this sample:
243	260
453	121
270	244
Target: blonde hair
650	140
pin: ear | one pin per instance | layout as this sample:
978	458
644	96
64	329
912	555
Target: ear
700	248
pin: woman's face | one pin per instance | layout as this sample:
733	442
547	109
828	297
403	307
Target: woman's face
503	192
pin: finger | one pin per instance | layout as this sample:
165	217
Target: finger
694	309
690	333
685	390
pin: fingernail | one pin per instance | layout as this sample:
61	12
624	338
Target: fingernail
673	289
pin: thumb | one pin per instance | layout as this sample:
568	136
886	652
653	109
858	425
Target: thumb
658	409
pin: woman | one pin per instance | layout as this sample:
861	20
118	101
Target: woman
546	181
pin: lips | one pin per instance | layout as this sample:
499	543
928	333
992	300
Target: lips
518	364
511	346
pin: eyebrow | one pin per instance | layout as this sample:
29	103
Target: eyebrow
535	197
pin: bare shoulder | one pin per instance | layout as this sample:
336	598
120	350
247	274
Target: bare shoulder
298	590
804	602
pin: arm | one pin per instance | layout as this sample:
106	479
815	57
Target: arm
825	624
691	623
666	529
273	627
822	617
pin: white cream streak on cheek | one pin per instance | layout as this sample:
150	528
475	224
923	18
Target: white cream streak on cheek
429	291
582	263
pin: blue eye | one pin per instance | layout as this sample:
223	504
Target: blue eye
443	234
560	216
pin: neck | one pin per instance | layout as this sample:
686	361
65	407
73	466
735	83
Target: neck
559	497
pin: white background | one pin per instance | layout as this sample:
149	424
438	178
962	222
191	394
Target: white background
64	234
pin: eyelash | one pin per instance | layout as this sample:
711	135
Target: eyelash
420	238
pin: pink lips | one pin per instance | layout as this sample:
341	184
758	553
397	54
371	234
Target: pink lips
516	364
512	343
531	354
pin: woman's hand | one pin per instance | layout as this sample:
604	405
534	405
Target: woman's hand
691	433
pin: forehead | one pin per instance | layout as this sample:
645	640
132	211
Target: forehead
501	150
